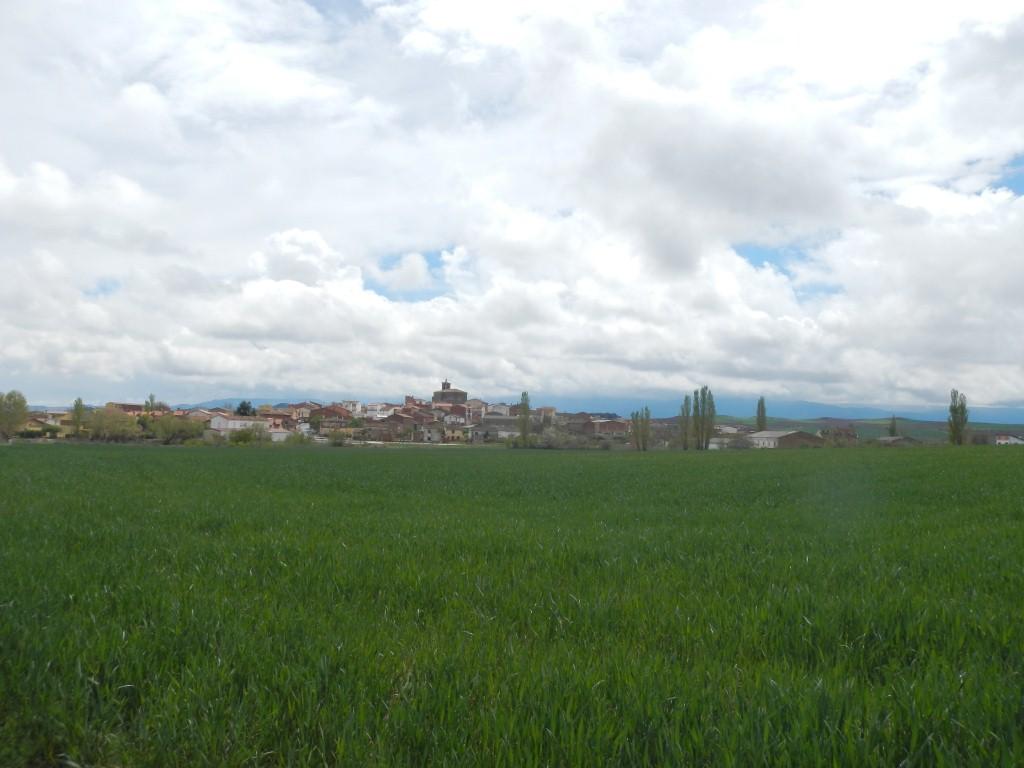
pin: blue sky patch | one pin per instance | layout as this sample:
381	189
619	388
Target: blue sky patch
105	286
434	266
1013	176
809	291
759	255
433	259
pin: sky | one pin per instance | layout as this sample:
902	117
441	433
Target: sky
817	201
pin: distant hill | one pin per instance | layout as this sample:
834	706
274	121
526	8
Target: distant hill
232	402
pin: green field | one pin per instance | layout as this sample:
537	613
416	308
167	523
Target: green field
163	606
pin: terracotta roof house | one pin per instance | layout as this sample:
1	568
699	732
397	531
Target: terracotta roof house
133	409
333	411
605	427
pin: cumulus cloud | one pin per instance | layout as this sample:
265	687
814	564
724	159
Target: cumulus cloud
302	256
411	273
363	198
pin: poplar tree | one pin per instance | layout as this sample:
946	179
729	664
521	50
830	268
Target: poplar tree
892	426
957	417
524	419
762	415
703	417
685	421
77	416
641	422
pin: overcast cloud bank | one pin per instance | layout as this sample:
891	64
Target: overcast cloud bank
200	198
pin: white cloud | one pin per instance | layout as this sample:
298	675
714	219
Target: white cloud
229	172
298	255
410	274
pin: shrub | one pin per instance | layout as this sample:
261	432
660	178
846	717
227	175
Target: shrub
250	436
112	426
175	429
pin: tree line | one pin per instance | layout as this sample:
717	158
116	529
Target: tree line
696	422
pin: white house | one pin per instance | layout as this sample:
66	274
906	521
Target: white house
278	434
1009	440
494	428
432	432
789	438
380	410
225	423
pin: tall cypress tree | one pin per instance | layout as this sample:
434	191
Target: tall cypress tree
698	421
762	415
685	421
703	417
641	425
709	416
524	420
957	417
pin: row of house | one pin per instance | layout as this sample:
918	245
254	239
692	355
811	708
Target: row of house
451	416
448	416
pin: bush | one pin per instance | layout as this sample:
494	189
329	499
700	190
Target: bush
175	429
297	438
337	439
112	426
250	436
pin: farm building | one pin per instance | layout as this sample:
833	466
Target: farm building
795	438
606	427
226	424
1009	440
898	441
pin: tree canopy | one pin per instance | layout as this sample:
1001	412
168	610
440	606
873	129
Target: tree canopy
524	419
685	419
13	413
641	421
958	416
703	417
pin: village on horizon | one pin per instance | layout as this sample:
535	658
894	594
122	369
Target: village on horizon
449	416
